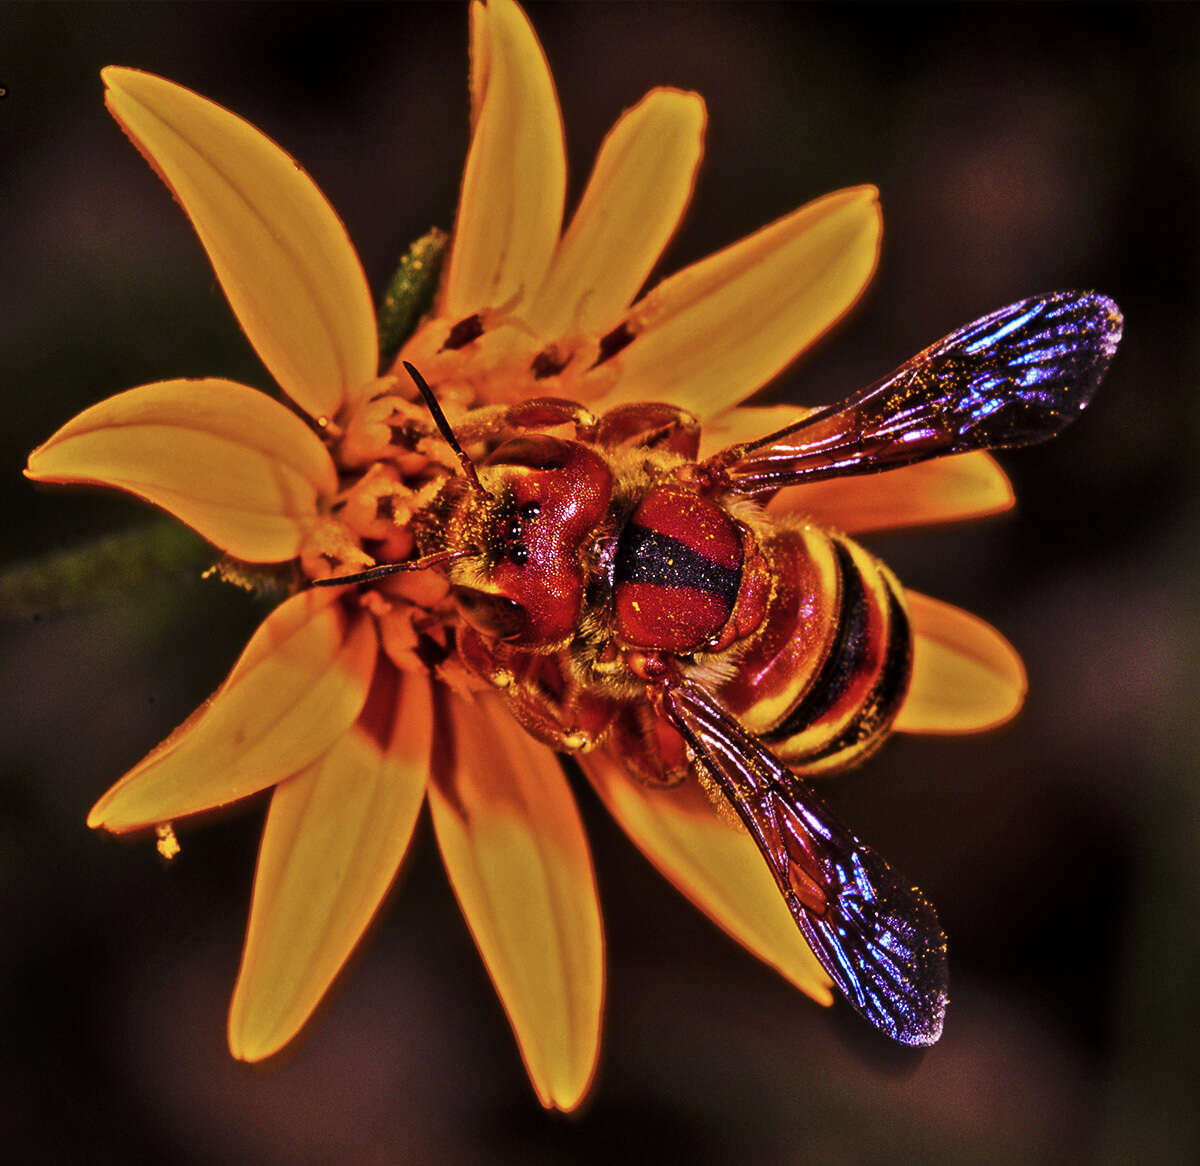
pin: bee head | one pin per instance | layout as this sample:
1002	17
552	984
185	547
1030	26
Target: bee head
544	499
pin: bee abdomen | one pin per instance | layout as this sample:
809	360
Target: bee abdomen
823	683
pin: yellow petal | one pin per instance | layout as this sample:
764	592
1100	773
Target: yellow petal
966	675
637	193
517	857
714	863
969	485
236	466
745	423
334	839
281	253
510	209
297	687
711	335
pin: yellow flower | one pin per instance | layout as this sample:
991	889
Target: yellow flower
349	702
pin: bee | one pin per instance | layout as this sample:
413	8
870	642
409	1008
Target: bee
618	590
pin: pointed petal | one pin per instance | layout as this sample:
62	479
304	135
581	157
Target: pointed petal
334	839
297	687
236	466
714	863
968	485
634	200
711	335
517	857
281	253
510	209
966	675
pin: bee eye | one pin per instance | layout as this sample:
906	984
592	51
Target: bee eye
492	615
519	554
530	510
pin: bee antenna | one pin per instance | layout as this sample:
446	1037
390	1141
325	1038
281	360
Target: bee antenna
439	419
385	569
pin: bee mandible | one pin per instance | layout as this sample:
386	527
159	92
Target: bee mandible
616	589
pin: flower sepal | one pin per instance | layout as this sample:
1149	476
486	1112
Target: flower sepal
410	293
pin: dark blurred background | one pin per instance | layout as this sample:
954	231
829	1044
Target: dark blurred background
1018	148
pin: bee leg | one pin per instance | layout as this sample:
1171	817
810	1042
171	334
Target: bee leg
549	706
549	412
650	426
492	422
573	722
650	749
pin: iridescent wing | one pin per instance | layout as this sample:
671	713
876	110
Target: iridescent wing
877	936
1018	376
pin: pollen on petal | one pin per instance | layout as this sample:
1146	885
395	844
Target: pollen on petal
166	843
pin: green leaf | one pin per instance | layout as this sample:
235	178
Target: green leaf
410	293
101	570
114	566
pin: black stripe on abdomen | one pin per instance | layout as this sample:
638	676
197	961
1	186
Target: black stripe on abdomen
845	657
646	556
883	704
